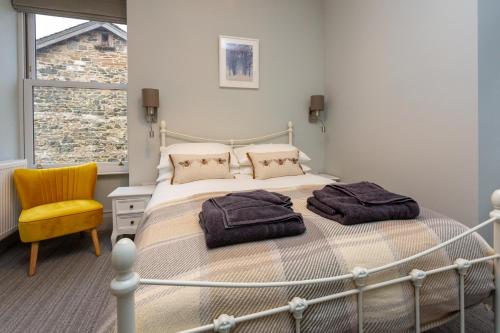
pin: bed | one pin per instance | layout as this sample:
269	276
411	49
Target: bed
391	276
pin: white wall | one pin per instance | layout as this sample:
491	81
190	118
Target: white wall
173	46
489	102
9	125
402	89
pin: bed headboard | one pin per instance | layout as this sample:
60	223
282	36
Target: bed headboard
164	132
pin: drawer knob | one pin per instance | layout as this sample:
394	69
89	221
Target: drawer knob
132	222
131	206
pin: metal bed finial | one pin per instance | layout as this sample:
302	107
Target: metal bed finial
124	284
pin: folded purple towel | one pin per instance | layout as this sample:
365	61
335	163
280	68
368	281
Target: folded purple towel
254	207
248	216
360	203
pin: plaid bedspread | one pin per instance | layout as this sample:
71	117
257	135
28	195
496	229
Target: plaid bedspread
171	245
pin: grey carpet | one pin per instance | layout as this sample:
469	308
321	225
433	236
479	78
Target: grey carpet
68	292
71	289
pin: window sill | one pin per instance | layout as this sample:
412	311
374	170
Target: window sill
103	168
112	173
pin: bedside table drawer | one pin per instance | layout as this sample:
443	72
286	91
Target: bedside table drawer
130	205
128	221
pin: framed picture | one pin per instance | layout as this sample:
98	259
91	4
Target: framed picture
238	62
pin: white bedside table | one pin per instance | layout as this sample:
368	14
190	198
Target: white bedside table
329	176
129	204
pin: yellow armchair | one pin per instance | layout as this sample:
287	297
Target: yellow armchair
57	202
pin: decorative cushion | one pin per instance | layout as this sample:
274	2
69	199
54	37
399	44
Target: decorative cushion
188	168
59	218
248	170
241	152
166	174
193	148
275	164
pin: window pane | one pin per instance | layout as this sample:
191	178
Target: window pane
78	50
74	125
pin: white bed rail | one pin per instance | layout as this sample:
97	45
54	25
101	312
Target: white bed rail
127	281
164	132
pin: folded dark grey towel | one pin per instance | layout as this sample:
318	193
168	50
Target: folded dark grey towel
246	208
360	203
370	193
248	216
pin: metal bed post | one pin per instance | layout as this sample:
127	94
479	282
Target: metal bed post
290	132
462	267
417	278
124	284
495	200
360	275
163	133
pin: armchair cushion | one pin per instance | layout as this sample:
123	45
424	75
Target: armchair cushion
58	219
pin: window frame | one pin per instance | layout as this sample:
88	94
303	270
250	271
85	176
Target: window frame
29	81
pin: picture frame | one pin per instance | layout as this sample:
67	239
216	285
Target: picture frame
238	62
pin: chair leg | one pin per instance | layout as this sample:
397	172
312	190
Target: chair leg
33	257
95	240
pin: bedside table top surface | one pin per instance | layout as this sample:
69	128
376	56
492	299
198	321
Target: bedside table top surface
329	176
132	191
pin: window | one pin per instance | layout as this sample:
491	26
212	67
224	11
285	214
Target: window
106	42
75	93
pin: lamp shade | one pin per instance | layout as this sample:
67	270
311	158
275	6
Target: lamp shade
150	97
317	103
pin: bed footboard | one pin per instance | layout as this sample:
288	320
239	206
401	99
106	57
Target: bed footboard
127	281
124	284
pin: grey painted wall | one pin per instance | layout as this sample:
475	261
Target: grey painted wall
173	46
402	89
104	186
9	124
489	104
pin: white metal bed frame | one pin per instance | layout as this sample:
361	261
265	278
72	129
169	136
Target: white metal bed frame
232	142
127	281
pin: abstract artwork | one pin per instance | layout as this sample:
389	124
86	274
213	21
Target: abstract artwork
238	62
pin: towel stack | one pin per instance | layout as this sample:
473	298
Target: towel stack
360	203
249	216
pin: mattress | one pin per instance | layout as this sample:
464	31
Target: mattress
166	193
171	245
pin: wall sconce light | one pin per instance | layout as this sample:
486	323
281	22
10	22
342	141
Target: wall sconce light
151	101
317	105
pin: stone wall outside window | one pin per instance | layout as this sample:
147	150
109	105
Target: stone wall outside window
81	58
73	125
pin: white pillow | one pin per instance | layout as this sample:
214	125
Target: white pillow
241	152
164	174
248	170
195	149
